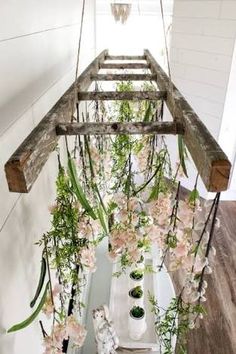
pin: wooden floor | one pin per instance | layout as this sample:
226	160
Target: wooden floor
217	332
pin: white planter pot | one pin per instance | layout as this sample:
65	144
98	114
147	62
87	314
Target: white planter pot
133	283
137	327
136	302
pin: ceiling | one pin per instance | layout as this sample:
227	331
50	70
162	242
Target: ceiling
139	7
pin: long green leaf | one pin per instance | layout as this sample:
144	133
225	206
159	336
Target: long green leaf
154	194
100	198
182	154
40	283
32	317
95	187
102	220
148	113
78	189
194	195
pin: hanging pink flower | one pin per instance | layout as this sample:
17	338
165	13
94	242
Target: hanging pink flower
181	250
50	347
133	204
88	259
187	263
160	209
112	255
53	344
58	288
185	215
48	307
75	331
84	229
199	264
119	199
161	241
123	215
118	239
123	238
59	334
135	255
153	233
190	292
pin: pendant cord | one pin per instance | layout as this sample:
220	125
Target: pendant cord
171	85
77	59
165	38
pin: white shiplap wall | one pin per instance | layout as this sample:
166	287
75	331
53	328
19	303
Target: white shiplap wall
203	38
38	46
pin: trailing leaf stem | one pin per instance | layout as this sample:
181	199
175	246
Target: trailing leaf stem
216	204
175	208
48	268
205	226
43	330
148	181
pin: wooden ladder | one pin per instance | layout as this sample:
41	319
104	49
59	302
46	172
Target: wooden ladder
211	162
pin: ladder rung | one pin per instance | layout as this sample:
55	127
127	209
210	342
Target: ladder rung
117	128
123	77
125	57
124	66
115	95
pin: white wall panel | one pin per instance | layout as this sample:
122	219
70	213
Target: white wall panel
38	47
29	66
19	18
199	9
206	26
203	37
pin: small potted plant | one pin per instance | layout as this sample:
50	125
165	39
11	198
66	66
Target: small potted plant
137	322
136	278
136	296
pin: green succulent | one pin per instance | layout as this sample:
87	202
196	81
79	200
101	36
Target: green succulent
136	292
137	312
136	274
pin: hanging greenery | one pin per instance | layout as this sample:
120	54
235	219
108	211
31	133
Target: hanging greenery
123	188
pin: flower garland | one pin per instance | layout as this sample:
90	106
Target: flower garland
128	192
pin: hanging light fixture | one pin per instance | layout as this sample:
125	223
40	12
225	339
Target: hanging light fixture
121	10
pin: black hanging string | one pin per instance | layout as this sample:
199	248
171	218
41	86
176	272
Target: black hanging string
211	235
70	310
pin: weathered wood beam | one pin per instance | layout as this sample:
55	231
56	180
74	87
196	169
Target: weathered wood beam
115	95
210	160
124	66
125	57
117	128
123	77
25	164
84	80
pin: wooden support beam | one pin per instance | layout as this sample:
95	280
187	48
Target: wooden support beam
125	57
211	162
25	164
115	95
120	66
123	77
117	128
